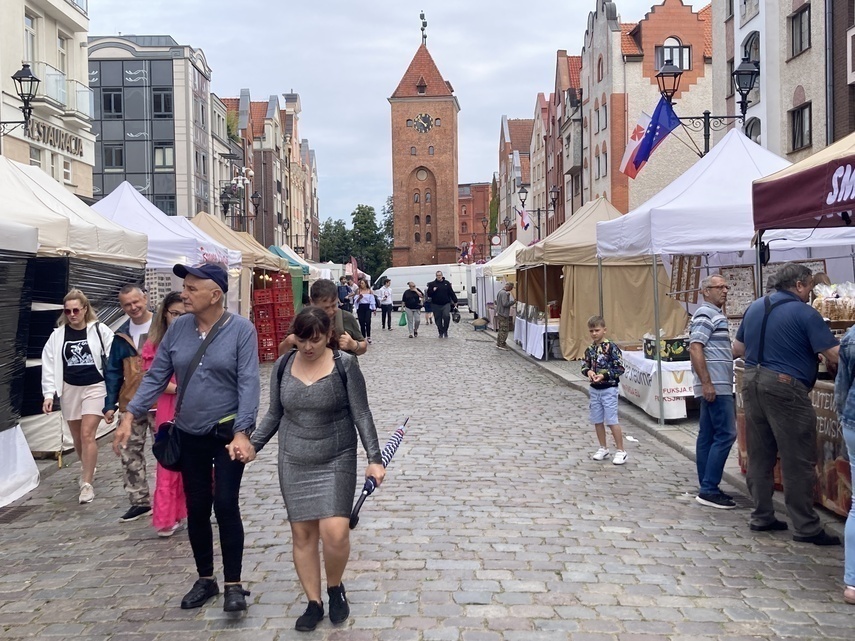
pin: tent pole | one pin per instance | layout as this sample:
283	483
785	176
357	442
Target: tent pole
600	284
759	287
545	313
657	352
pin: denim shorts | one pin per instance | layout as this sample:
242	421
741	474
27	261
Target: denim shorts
603	405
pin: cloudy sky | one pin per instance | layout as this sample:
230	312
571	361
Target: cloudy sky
346	58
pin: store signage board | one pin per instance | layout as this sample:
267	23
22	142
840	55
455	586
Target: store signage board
66	141
639	384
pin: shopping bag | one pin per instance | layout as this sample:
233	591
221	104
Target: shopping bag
402	322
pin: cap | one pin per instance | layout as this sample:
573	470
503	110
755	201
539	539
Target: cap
205	271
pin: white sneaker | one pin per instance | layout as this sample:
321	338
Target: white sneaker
601	454
86	493
168	531
620	457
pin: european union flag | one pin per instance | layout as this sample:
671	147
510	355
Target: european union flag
662	123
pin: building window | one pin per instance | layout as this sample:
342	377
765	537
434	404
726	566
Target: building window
427	237
409	122
62	53
54	166
800	127
416	197
730	67
672	49
161	103
417	220
753	129
464	228
166	204
597	166
427	196
164	157
418	237
29	38
800	31
412	151
35	157
111	104
751	46
114	157
430	151
596	119
728	12
600	69
427	219
437	122
605	163
604	112
66	170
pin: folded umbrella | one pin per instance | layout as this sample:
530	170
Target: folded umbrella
371	483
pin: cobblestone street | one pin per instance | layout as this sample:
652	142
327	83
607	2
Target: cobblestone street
493	525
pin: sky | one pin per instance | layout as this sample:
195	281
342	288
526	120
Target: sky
345	59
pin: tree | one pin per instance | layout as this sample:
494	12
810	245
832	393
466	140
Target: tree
335	242
369	243
388	213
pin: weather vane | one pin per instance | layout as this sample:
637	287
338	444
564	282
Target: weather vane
424	27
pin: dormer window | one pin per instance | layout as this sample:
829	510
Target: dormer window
674	50
421	86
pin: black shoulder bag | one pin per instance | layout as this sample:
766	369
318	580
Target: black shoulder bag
167	441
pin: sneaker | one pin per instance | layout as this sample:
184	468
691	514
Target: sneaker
716	500
200	593
135	512
309	620
169	531
80	478
601	454
411	335
416	334
620	457
86	493
339	609
502	347
234	598
849	595
369	340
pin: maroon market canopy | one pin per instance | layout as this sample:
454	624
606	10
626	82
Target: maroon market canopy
819	191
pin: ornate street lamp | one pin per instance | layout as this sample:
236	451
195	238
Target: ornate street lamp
553	195
26	86
256	201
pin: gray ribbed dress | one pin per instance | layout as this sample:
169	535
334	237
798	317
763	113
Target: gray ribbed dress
317	439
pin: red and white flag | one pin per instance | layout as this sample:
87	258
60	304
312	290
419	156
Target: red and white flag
525	221
627	166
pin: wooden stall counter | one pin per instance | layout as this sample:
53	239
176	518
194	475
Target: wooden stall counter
833	473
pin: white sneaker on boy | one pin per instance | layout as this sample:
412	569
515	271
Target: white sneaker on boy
601	454
620	457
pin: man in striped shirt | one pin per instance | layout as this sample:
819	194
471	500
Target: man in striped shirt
712	364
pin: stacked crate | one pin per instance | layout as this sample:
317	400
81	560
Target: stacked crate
283	305
273	312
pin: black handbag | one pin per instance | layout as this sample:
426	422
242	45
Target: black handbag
455	315
167	441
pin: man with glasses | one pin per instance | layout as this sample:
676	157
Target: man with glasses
712	364
442	297
780	337
122	377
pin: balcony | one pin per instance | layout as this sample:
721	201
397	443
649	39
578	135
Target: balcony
81	101
81	5
53	90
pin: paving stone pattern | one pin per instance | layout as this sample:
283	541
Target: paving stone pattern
493	525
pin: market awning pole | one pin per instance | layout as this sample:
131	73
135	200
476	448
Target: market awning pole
600	283
759	286
546	315
656	339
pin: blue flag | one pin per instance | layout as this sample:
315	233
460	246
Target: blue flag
662	123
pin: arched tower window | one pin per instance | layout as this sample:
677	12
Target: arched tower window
418	237
417	221
427	196
416	197
464	228
427	237
427	219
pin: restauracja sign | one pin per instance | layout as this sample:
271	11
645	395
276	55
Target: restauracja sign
842	185
39	131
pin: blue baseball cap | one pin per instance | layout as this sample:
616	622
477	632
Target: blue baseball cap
205	271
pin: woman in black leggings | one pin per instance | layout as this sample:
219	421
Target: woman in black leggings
365	304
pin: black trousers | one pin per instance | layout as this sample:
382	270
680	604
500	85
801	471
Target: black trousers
386	318
363	313
199	455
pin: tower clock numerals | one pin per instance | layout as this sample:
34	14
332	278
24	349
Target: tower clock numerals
423	123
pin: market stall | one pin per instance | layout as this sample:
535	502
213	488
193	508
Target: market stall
566	261
491	277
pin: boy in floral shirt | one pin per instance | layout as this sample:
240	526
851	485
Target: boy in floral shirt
603	367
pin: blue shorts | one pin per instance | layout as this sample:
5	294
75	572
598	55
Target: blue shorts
603	405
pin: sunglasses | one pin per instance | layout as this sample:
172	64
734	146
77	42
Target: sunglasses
74	310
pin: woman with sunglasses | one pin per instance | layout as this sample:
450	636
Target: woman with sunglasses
169	506
73	370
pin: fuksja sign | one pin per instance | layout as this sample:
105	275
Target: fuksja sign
39	131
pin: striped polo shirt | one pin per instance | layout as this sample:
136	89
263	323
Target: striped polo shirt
709	328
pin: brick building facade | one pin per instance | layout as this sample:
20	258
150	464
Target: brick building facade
424	165
473	209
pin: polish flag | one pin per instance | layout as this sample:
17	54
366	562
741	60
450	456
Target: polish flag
627	164
525	221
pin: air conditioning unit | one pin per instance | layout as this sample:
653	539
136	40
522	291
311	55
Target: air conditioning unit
850	56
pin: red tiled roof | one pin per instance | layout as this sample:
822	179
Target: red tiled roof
705	14
422	69
574	64
628	45
232	104
520	132
259	114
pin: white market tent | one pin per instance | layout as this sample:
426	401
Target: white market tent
314	271
505	263
169	242
66	225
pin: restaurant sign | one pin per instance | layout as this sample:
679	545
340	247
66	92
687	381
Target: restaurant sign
39	131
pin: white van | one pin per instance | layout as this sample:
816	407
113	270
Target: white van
421	275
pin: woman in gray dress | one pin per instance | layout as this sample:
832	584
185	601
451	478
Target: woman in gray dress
314	408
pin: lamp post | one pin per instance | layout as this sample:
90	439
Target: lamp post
484	222
744	77
232	196
308	225
26	86
506	223
553	197
286	225
472	248
255	199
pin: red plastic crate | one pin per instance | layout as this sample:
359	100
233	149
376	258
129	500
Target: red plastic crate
285	310
267	341
283	325
282	296
262	296
265	326
282	283
267	355
263	312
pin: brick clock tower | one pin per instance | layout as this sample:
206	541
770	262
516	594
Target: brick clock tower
424	165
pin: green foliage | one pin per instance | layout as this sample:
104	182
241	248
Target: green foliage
334	242
369	242
232	126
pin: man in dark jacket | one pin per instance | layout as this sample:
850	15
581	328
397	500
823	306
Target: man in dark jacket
442	298
122	376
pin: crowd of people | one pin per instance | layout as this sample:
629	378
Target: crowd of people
188	371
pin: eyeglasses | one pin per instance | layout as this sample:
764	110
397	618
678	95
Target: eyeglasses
73	310
724	287
174	314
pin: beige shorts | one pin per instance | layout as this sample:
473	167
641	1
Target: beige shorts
78	401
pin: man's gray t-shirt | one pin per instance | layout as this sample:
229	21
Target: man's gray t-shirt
709	328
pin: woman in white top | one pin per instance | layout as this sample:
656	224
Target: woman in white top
73	362
385	296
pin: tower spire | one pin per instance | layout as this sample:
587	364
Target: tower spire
424	27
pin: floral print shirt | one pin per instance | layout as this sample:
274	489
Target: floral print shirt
603	358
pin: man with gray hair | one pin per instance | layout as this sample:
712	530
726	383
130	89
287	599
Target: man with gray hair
712	364
780	342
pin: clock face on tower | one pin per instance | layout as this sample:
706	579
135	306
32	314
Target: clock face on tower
423	123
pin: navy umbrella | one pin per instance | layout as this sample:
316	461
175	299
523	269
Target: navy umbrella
370	482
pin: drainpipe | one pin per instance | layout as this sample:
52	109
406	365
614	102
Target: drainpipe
829	76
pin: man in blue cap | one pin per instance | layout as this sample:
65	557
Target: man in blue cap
218	412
